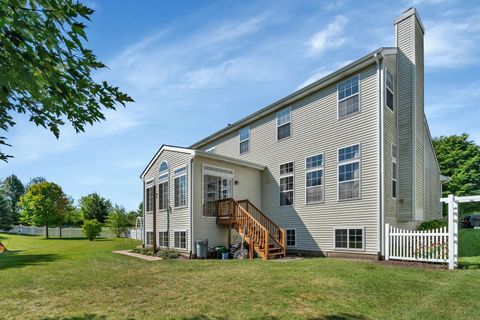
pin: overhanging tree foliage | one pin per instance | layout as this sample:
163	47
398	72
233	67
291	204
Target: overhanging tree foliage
459	159
46	70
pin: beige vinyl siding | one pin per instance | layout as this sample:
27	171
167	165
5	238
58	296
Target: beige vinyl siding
248	187
315	129
433	186
179	217
389	138
405	69
419	123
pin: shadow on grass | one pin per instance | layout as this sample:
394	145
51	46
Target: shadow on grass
340	316
13	259
85	316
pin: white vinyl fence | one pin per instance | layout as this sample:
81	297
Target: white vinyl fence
428	246
439	245
69	232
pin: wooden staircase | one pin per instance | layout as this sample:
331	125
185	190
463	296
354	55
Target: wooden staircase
262	234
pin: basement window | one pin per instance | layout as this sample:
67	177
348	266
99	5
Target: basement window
349	238
180	239
291	237
163	239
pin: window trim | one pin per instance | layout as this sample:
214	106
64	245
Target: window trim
349	228
389	89
176	176
343	162
146	238
286	175
322	168
161	195
359	98
295	230
248	139
277	126
394	160
168	238
186	239
146	197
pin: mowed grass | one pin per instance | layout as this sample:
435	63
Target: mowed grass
79	279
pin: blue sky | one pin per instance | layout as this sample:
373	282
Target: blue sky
195	66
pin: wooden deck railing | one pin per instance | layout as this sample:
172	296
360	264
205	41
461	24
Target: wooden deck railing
251	222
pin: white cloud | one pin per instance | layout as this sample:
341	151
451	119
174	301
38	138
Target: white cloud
331	37
452	43
322	72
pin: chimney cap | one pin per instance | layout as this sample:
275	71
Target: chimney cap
407	14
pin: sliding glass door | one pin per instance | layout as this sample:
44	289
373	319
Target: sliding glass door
215	188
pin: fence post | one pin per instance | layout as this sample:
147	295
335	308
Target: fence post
452	232
387	241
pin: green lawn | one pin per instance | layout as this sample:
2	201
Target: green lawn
78	279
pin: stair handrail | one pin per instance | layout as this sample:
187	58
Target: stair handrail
281	232
257	236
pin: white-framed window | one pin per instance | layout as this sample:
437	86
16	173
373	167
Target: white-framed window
180	239
284	123
149	199
211	150
314	190
149	238
163	239
349	172
244	136
291	237
394	171
389	96
348	97
163	186
180	187
349	238
286	184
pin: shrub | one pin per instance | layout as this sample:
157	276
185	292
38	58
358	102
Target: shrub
433	224
91	228
163	253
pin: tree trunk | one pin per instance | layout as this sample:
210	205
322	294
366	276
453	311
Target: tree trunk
46	231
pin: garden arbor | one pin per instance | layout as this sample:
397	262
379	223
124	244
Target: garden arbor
452	203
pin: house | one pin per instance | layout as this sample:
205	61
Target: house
318	172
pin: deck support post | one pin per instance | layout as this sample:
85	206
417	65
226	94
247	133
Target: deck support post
154	235
229	235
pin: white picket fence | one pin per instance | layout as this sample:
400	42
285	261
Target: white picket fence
439	245
70	232
428	246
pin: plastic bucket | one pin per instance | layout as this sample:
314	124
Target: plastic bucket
224	255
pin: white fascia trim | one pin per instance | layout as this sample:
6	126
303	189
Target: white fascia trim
159	152
203	154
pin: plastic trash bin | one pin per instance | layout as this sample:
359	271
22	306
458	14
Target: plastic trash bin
201	249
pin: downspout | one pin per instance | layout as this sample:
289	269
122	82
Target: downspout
380	157
191	207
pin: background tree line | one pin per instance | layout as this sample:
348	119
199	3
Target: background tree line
43	203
